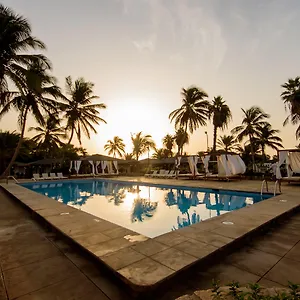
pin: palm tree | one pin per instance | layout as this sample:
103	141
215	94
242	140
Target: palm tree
141	144
168	142
115	146
220	114
181	138
128	156
35	88
80	113
227	143
160	153
253	120
267	137
50	135
193	111
291	99
16	40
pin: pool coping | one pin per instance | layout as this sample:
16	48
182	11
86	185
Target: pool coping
144	263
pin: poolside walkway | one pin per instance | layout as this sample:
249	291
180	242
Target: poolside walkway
35	264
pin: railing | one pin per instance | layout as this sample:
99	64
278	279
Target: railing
12	177
264	182
277	183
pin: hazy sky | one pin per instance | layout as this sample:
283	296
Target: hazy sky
140	53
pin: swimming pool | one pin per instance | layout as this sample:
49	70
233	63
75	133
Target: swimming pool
145	208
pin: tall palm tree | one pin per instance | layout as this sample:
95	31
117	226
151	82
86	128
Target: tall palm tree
15	41
141	144
80	113
254	118
181	138
168	142
50	135
116	145
267	137
35	88
220	114
291	99
193	111
227	143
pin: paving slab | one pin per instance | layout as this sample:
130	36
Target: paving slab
170	239
253	260
74	287
213	239
29	278
91	238
196	248
294	253
268	283
146	272
122	258
287	270
149	247
174	259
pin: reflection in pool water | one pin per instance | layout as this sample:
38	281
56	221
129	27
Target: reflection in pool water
149	210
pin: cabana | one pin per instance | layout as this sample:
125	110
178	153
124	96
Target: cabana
229	165
291	159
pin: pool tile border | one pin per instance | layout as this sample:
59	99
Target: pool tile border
143	262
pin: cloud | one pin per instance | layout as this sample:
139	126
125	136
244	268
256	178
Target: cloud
146	45
176	57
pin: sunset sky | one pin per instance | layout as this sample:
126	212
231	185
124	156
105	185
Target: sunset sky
140	53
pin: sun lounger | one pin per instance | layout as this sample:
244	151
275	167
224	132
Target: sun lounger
150	174
60	176
53	176
164	174
171	174
45	176
36	177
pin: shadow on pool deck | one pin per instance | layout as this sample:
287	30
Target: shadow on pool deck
36	264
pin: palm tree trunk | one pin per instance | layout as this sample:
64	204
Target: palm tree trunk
252	152
263	154
6	172
71	137
215	138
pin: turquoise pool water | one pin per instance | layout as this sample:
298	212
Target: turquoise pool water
150	210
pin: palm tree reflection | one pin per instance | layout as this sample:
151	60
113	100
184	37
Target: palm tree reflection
118	196
142	209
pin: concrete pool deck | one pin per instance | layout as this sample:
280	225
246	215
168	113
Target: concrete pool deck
143	262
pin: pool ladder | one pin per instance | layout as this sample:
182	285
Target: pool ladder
12	177
265	183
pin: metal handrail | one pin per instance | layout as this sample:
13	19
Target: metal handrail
277	183
262	186
12	177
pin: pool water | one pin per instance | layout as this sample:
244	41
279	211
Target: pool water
150	210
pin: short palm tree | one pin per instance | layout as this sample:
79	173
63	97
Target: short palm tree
49	135
227	143
168	142
80	113
291	99
115	146
35	89
267	137
15	41
220	114
181	138
254	118
128	156
160	153
141	144
193	111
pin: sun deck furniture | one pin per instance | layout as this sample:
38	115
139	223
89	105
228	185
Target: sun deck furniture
36	177
46	176
161	173
61	176
150	174
171	174
164	175
53	176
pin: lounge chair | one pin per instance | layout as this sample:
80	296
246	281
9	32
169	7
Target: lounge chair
171	174
151	174
61	176
46	176
162	173
53	176
36	177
